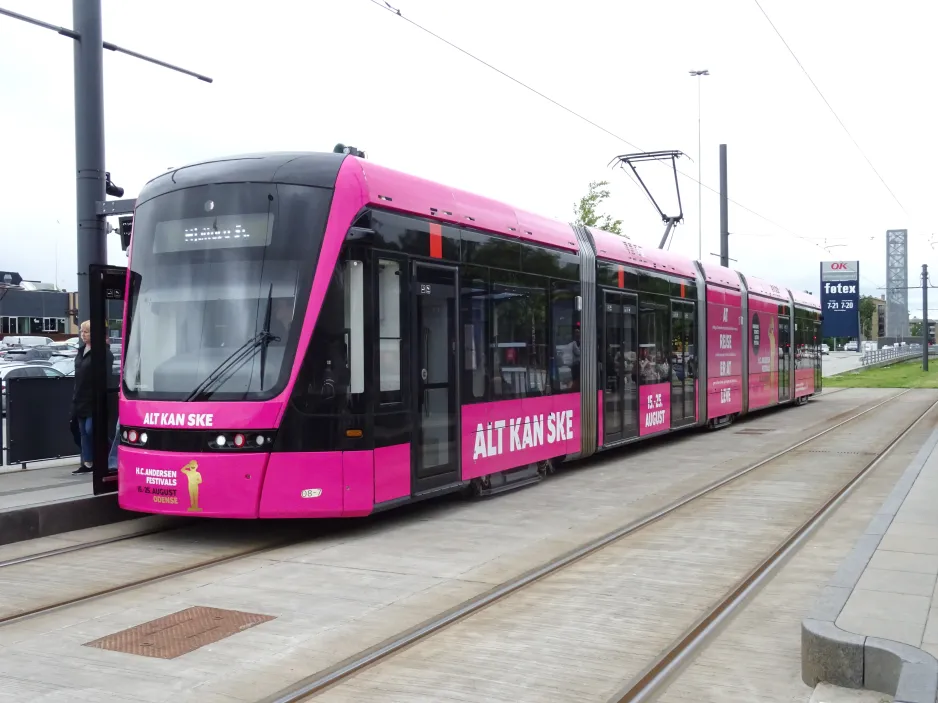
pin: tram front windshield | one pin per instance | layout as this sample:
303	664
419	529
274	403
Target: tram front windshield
220	278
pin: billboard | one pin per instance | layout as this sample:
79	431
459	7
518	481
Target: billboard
840	299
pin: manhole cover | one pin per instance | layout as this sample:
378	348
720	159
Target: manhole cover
180	633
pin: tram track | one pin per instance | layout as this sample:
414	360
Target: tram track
830	424
658	675
334	676
81	546
139	583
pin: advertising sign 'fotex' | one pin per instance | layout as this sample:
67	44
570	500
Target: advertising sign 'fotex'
840	299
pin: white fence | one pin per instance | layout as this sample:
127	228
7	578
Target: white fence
911	351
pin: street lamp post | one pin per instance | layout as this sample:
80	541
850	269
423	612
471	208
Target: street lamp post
697	75
93	182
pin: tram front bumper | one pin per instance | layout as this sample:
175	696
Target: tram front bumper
200	485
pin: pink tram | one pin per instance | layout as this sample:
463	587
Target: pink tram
314	335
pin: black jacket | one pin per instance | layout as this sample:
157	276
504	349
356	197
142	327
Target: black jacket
83	398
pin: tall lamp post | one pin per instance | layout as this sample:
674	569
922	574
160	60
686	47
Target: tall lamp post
94	181
697	75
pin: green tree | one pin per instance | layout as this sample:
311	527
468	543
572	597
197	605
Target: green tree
915	329
587	210
867	308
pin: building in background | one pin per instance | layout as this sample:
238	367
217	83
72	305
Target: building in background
32	308
915	326
40	309
878	326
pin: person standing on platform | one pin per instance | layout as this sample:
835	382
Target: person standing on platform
83	397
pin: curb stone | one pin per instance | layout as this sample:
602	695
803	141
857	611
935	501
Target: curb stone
47	519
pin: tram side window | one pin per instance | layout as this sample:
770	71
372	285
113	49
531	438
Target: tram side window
796	338
804	330
355	324
653	340
332	376
519	330
565	328
389	331
474	314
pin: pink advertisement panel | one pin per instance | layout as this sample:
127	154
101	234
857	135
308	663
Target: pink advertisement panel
203	485
512	433
654	408
724	352
763	353
804	382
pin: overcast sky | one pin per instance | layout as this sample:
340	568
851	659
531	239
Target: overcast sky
305	74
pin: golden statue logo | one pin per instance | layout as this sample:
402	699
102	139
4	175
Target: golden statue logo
191	470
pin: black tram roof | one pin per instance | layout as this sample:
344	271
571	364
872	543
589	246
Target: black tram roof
319	169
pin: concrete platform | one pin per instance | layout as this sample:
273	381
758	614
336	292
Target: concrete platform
351	586
46	501
19	489
875	625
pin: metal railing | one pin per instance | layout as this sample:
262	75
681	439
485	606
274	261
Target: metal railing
912	351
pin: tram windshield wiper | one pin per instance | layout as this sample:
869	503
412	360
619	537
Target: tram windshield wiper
268	338
238	358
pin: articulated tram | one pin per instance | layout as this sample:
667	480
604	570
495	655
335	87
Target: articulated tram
314	335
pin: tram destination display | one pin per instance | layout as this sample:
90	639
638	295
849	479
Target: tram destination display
840	299
214	232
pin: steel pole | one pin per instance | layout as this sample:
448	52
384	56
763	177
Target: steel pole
924	317
89	143
699	181
724	212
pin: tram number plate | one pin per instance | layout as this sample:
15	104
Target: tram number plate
424	289
311	493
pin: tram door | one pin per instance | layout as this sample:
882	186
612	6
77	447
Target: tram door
784	358
107	289
436	458
683	363
618	372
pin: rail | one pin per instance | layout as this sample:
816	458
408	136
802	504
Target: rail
878	356
310	686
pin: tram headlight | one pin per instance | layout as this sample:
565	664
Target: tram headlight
132	436
143	438
240	441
